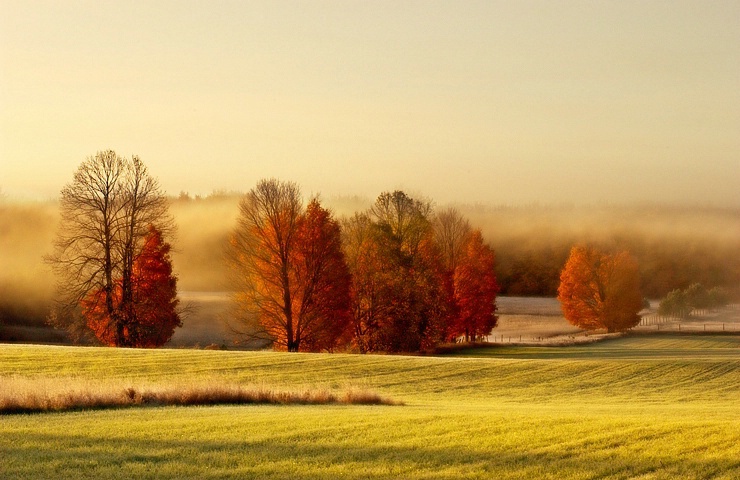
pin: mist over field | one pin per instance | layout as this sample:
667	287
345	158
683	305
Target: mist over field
26	284
674	246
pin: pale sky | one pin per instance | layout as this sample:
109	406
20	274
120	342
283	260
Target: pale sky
496	102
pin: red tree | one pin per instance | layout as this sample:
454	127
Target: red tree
323	300
149	319
475	289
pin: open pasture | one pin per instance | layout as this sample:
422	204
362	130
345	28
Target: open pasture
634	407
532	320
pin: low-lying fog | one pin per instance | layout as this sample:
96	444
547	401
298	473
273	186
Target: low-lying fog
675	246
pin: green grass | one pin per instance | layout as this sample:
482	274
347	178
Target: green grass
635	407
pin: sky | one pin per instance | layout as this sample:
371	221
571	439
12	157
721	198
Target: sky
491	102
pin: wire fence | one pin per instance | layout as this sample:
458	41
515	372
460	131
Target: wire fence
690	326
695	321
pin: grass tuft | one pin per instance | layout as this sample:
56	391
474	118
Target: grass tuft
20	395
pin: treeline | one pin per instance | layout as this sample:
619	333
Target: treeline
399	277
675	247
665	264
682	303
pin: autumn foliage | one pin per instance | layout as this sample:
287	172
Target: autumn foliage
600	290
399	302
324	281
150	316
291	277
417	278
383	281
475	289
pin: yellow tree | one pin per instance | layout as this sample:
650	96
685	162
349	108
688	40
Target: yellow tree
600	290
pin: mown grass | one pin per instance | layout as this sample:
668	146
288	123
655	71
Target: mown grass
628	408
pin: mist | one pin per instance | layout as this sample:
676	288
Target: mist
26	284
675	246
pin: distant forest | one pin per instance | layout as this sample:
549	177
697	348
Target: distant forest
674	246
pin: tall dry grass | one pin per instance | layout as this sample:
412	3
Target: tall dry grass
35	395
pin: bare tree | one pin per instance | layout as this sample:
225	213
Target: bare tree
406	218
451	232
143	206
261	257
106	212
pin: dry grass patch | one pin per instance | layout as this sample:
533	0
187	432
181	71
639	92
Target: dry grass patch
25	395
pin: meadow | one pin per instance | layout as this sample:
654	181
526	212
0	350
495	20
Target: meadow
639	406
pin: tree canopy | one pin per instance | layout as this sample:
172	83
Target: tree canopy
417	278
600	290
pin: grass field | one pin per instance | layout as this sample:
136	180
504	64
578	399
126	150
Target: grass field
641	406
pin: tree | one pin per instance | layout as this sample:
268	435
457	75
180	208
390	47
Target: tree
371	290
697	296
469	267
399	301
324	282
152	310
718	297
451	233
291	278
681	303
675	304
154	294
106	214
475	290
600	290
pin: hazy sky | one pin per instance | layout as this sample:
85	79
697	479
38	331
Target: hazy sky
492	101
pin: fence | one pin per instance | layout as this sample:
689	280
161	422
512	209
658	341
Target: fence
705	320
649	320
529	338
689	326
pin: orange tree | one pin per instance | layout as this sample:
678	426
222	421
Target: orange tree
324	282
470	279
290	275
600	290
